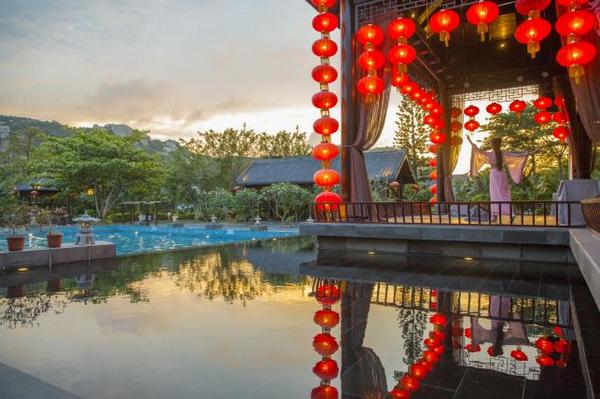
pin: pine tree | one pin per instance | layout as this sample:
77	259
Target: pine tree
411	134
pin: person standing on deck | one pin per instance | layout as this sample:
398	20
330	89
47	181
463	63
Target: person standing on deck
497	159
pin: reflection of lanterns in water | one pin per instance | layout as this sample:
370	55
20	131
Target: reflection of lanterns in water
327	318
326	369
518	355
325	344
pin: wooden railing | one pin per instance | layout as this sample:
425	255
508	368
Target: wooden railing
471	213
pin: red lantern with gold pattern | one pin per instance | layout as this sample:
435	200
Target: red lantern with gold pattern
325	152
371	59
326	369
574	56
328	201
402	55
326	126
370	86
324	48
326	178
444	22
401	29
517	107
481	15
531	32
324	100
324	74
325	22
494	108
325	345
577	23
324	392
370	35
326	318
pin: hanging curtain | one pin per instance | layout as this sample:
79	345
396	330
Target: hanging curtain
371	119
451	151
587	92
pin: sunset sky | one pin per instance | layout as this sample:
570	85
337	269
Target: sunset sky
171	67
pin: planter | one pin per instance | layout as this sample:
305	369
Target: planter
54	240
591	213
16	243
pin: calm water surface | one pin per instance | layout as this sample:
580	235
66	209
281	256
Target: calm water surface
237	322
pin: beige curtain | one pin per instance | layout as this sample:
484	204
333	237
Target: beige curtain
451	150
371	119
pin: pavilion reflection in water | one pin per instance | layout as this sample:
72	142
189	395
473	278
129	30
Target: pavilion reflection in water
449	332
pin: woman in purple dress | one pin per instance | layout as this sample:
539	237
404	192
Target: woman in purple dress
498	159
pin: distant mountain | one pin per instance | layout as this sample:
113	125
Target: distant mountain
11	124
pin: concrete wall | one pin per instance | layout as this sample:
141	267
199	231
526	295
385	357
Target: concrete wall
585	245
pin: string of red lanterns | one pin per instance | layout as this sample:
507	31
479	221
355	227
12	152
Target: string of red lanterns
402	54
572	25
534	29
471	125
370	61
324	74
324	343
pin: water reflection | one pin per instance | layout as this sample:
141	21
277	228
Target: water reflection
239	322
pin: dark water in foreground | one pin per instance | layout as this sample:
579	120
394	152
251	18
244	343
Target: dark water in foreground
237	322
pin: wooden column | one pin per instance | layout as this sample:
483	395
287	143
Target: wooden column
444	149
349	105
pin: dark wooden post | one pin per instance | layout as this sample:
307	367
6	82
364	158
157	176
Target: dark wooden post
444	149
348	104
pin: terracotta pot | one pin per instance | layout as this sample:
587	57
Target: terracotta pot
16	243
54	240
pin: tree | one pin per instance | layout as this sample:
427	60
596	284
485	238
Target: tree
96	159
288	202
411	134
283	144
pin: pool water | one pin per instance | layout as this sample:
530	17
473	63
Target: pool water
139	239
237	321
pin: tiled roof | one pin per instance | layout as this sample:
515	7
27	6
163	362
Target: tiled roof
300	170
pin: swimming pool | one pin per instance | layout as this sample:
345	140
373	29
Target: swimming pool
140	239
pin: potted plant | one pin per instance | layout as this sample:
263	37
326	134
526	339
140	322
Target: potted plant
54	238
13	217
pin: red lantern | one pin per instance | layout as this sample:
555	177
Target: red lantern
433	162
438	319
327	294
575	23
455	112
433	175
433	190
326	126
518	355
438	124
471	111
543	117
371	59
429	120
472	125
325	345
323	4
409	383
490	351
444	22
438	110
543	103
431	357
561	133
494	108
544	345
431	342
468	332
561	345
531	32
326	178
437	137
545	361
408	88
559	117
531	7
370	35
481	15
370	86
418	371
402	55
416	95
325	152
324	74
401	28
473	348
324	100
328	201
398	78
455	126
324	392
326	369
432	149
572	4
326	318
574	56
325	22
517	107
324	48
397	393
